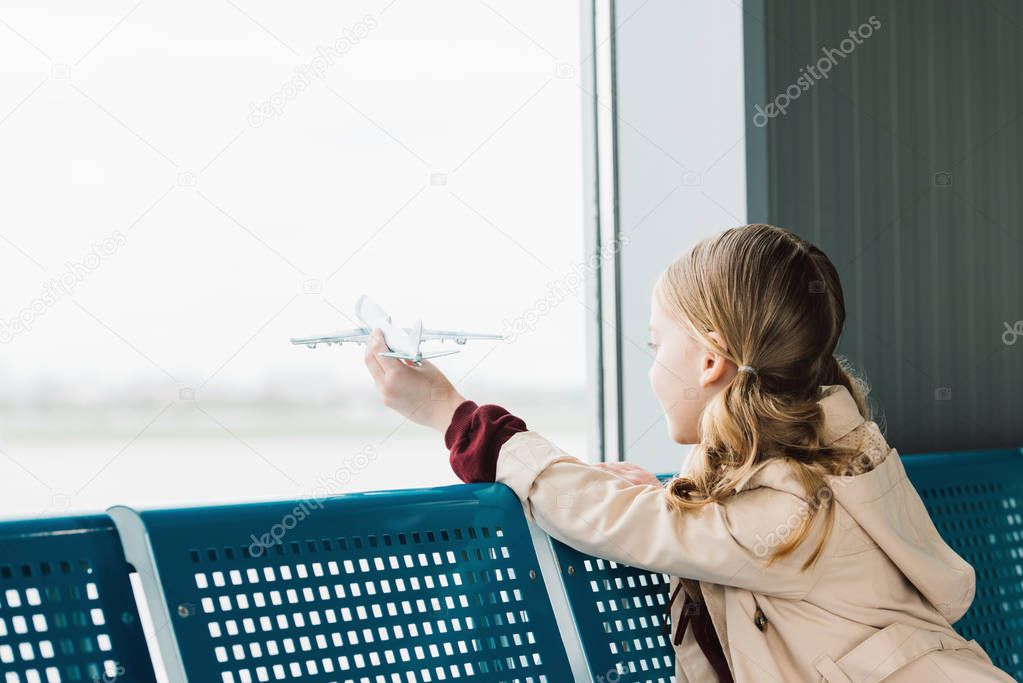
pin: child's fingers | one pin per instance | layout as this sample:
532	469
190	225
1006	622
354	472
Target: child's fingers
629	471
614	469
372	363
377	346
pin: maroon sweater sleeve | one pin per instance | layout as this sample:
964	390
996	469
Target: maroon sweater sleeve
475	437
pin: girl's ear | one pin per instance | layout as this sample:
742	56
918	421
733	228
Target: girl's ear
713	334
715	366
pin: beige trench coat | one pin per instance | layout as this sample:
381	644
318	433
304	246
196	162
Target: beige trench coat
876	606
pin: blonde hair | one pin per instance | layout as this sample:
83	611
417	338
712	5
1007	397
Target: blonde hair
776	302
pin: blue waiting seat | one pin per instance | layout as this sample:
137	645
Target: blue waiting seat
385	587
67	612
619	613
410	586
976	501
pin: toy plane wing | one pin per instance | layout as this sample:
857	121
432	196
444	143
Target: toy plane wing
359	335
459	336
421	356
402	342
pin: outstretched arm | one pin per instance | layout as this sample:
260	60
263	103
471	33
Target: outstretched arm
596	510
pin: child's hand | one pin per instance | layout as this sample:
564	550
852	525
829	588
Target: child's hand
423	395
630	472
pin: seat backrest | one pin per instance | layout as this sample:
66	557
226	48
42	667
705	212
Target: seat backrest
67	611
976	502
415	585
975	499
619	612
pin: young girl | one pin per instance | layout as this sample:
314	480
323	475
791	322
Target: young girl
804	552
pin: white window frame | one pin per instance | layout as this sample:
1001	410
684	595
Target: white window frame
654	106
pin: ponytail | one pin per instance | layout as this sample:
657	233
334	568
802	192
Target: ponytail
776	302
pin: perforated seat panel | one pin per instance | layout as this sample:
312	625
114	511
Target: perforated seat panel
396	586
67	612
976	502
618	611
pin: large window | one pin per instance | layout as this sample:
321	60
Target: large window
187	185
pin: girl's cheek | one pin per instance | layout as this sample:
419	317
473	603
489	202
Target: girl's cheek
657	380
652	376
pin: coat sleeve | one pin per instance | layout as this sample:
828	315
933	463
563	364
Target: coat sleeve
475	436
602	514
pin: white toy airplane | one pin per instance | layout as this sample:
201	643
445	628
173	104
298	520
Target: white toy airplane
403	342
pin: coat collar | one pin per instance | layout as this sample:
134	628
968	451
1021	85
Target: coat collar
841	416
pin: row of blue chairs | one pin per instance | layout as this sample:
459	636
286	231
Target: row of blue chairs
407	586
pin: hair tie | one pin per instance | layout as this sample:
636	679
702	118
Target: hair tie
747	368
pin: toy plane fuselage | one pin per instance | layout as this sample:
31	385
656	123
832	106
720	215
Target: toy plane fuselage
403	342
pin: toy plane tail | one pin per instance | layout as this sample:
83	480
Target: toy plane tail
418	358
416	334
435	354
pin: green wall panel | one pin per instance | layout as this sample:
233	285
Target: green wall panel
904	166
